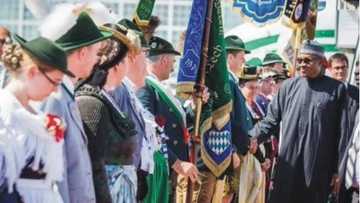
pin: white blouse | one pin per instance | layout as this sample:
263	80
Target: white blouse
23	136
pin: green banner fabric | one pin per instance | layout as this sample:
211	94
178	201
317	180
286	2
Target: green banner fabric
215	125
143	12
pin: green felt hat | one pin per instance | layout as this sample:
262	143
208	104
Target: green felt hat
271	58
132	26
234	43
46	52
83	33
161	46
254	62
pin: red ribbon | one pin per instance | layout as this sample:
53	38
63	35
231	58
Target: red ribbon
54	126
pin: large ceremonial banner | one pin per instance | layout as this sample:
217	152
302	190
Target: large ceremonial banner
296	12
215	128
260	12
190	62
143	12
216	147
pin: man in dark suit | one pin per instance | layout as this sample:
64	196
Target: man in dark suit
349	169
338	69
240	118
167	110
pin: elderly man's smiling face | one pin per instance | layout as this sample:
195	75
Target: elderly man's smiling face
309	65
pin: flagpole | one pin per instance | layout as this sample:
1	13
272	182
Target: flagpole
199	90
201	80
298	32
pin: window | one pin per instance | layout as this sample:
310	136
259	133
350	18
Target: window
9	10
174	15
129	10
27	14
113	7
162	11
181	15
162	33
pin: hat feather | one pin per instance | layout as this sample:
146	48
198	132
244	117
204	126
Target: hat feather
64	17
58	22
100	13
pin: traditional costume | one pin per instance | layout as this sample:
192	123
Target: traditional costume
111	134
31	145
168	113
78	185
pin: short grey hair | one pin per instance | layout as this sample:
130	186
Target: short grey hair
154	59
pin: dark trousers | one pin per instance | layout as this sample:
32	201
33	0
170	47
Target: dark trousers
142	185
292	187
348	195
6	197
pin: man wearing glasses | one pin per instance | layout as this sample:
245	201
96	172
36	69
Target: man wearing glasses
311	108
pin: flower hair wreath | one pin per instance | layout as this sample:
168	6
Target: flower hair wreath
131	39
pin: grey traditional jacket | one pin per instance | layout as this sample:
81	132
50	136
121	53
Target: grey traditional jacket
77	186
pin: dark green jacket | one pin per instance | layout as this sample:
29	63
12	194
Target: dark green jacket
241	121
177	148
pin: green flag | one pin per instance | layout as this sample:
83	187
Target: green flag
143	12
215	128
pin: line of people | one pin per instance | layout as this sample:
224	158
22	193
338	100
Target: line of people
85	117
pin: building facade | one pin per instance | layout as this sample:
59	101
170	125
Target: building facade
174	15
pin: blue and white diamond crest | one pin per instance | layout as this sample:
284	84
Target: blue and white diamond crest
218	142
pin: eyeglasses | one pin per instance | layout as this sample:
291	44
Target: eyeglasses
306	60
48	78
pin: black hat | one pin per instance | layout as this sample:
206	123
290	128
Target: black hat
46	52
280	77
248	73
161	46
131	25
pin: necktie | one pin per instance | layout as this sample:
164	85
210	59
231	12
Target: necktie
256	110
